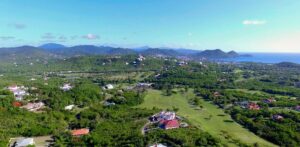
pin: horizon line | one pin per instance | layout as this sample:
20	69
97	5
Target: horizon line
150	47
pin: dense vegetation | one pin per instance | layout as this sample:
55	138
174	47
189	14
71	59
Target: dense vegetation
225	85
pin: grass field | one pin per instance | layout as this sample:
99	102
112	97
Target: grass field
209	118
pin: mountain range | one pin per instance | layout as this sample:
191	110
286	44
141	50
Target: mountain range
52	50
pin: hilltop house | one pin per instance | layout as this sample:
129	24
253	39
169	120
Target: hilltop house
80	132
166	120
169	124
163	115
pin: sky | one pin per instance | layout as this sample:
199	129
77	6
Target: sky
240	25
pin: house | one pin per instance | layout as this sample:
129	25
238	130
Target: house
166	115
269	100
157	145
277	117
18	91
80	132
243	104
12	88
17	104
144	84
141	58
182	63
66	87
24	142
163	115
157	75
106	103
217	94
33	106
169	124
253	106
69	107
108	87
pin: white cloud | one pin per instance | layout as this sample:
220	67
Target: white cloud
91	36
254	22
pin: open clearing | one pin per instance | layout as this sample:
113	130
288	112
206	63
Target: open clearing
209	118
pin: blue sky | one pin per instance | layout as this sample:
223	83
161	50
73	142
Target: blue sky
241	25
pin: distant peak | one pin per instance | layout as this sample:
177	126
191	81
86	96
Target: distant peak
52	46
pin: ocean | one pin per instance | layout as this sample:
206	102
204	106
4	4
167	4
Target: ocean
268	58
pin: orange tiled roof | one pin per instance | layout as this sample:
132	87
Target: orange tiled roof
80	132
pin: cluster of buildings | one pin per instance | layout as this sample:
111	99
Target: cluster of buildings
141	58
19	91
166	120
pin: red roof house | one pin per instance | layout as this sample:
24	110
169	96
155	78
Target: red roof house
17	104
170	124
253	106
80	132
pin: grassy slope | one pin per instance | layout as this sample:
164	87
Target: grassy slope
216	125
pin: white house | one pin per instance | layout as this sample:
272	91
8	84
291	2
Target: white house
18	91
108	86
66	87
69	107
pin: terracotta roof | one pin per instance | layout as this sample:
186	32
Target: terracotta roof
170	124
80	132
17	104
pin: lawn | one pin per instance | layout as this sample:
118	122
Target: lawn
209	118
